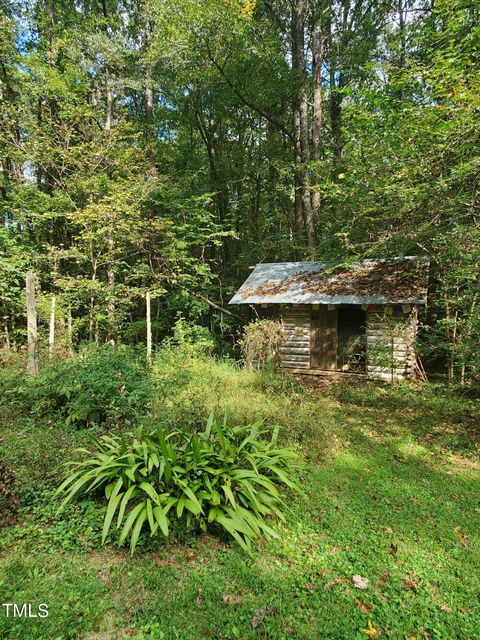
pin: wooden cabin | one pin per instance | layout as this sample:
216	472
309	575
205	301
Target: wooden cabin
360	318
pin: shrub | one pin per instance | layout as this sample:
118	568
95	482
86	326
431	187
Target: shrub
101	385
261	343
224	476
193	339
12	381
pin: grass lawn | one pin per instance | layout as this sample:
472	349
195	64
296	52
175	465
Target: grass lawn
391	494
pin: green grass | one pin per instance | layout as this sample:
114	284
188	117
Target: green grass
391	493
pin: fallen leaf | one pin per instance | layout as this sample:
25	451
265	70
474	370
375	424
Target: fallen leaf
258	618
360	582
388	530
104	574
232	599
309	587
332	582
393	549
446	608
464	541
370	631
333	549
363	606
291	631
410	584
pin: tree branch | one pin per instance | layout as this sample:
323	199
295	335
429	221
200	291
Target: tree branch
214	305
248	101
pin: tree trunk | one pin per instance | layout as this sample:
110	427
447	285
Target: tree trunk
7	336
32	364
51	332
70	331
149	327
111	332
317	46
304	214
109	101
336	119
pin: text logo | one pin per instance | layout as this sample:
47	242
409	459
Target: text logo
25	610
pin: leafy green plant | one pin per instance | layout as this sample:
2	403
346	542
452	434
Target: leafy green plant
225	476
102	385
8	495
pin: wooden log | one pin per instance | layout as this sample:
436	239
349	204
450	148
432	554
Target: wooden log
32	364
295	365
296	358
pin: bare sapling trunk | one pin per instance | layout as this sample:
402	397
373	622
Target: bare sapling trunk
51	331
149	328
70	331
7	336
111	337
32	364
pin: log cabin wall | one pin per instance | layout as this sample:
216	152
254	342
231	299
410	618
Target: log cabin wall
391	345
295	352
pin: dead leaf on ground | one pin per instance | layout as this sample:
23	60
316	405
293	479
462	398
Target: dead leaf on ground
104	574
388	530
309	587
393	549
360	582
446	608
363	606
232	599
464	541
410	584
332	583
258	618
333	549
370	631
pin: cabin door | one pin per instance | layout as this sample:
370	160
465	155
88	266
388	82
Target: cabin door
323	339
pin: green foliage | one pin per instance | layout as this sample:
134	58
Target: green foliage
392	496
192	339
261	343
8	495
102	385
224	476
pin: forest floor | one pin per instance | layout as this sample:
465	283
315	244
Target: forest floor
391	494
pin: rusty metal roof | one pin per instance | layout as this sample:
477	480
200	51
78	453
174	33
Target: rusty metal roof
387	281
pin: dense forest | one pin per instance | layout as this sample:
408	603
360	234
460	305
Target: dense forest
168	145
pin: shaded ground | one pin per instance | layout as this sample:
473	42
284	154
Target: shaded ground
391	494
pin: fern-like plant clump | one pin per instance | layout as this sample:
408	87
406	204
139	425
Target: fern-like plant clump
224	477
